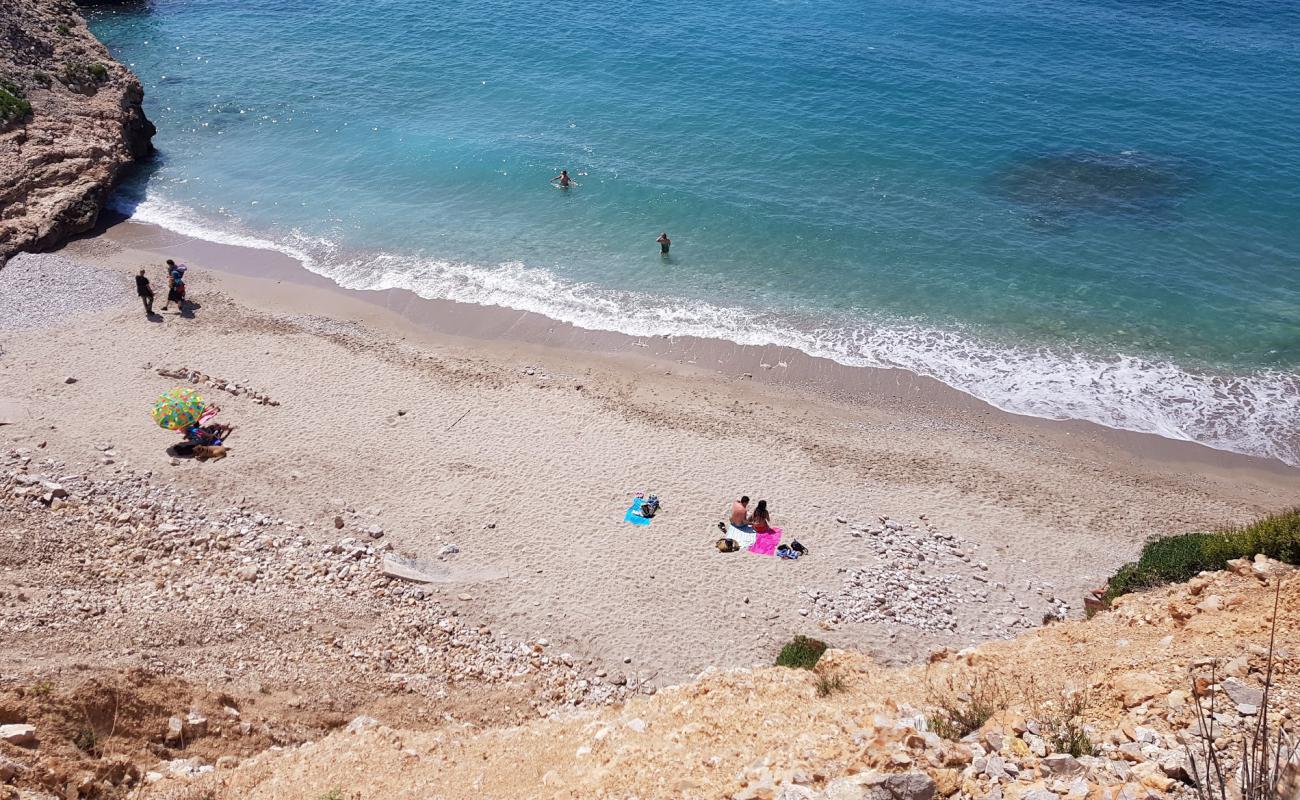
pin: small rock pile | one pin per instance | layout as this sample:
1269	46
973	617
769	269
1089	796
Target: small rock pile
221	384
921	578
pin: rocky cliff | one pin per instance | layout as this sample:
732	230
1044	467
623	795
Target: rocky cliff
71	124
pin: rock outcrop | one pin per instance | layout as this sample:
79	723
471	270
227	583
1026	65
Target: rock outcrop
71	124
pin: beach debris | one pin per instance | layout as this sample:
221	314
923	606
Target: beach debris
448	549
69	379
338	521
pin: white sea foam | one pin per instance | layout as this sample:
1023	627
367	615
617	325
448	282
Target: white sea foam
1256	414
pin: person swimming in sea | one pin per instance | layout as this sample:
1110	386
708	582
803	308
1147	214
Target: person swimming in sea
664	243
563	180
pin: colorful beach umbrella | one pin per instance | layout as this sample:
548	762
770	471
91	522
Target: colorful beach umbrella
179	408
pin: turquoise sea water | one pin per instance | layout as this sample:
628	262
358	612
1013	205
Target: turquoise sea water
1086	209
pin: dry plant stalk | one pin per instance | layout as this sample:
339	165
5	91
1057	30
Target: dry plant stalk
1268	768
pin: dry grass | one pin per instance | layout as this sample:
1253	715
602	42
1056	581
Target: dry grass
964	701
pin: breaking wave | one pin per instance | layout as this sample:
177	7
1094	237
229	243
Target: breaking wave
1255	414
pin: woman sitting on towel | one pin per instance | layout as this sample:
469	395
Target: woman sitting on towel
760	519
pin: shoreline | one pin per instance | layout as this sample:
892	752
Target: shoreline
772	365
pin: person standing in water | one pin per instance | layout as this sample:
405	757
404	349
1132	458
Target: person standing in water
563	180
664	243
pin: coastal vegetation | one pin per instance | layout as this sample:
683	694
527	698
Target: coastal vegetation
13	103
1169	559
78	74
801	652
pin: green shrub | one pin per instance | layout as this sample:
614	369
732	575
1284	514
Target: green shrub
76	73
13	104
801	653
63	30
1169	559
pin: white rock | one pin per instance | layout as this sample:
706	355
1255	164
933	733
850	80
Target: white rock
361	723
18	734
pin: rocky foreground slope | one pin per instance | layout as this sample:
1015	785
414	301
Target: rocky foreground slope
1097	710
157	646
71	124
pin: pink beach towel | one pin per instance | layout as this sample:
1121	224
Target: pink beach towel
765	544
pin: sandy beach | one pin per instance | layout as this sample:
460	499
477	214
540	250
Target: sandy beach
502	448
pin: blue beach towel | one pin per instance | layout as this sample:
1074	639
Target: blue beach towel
633	514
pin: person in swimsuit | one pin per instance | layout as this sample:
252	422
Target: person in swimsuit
760	519
739	514
563	180
664	243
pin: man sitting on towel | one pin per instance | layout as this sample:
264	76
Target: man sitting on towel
739	514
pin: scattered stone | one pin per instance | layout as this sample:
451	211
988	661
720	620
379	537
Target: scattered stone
880	786
69	379
175	730
361	723
19	734
1136	688
1060	766
1241	694
196	725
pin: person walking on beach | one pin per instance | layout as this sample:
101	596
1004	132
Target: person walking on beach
664	243
563	180
143	289
175	285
